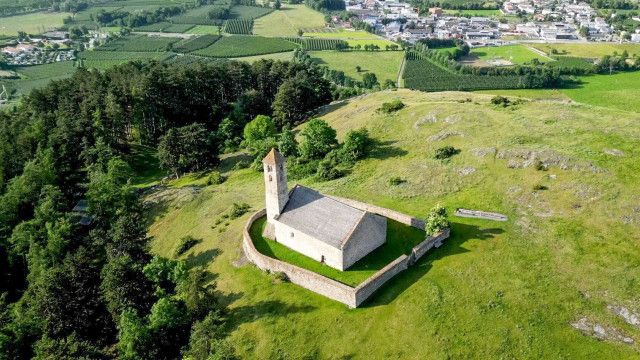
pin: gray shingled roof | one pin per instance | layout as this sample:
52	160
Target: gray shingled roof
323	218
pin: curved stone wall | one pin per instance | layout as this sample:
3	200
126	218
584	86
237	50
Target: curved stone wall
330	288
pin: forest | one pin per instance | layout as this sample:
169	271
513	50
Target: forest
77	278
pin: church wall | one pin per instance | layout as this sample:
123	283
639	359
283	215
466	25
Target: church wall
370	234
375	282
308	245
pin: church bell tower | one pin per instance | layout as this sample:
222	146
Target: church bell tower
275	183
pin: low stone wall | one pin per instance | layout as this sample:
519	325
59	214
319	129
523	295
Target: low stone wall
350	296
430	242
394	215
307	279
375	282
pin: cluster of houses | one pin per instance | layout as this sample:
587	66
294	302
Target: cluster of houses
551	20
559	20
53	46
401	21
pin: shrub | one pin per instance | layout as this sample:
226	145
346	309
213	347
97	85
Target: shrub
238	210
436	220
538	187
215	178
185	244
394	181
446	152
288	145
500	101
391	107
539	165
328	167
280	276
300	169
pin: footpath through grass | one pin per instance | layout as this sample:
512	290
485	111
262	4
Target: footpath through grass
400	240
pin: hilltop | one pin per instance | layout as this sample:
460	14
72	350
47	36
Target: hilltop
567	260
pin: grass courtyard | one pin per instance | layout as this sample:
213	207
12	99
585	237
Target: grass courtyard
494	289
400	240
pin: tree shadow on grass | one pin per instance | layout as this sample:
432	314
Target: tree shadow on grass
202	258
228	163
268	309
460	233
385	150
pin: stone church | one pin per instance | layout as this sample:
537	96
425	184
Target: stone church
315	225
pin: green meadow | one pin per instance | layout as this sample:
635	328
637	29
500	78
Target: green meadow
494	289
34	23
517	54
385	64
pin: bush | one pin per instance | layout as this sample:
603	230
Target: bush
436	220
238	210
280	276
395	181
538	187
185	244
391	107
500	101
215	178
242	164
446	152
300	169
328	167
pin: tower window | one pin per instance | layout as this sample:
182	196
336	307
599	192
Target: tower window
270	178
269	168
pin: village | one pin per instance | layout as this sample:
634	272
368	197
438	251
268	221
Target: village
537	20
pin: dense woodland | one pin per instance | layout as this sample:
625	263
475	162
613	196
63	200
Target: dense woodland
72	290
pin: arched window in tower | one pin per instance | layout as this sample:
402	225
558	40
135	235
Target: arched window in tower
269	168
270	178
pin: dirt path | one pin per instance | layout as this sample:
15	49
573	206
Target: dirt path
399	82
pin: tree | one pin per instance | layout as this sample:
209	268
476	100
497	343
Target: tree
299	95
277	5
207	340
187	148
258	130
369	80
288	145
436	220
319	139
357	144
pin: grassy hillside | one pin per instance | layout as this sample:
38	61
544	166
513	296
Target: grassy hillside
34	23
618	91
494	290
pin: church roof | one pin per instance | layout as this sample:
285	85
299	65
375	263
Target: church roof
273	157
323	218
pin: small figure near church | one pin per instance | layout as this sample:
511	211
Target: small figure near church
315	225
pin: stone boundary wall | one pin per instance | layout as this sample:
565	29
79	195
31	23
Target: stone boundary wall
307	279
394	215
375	282
350	296
430	242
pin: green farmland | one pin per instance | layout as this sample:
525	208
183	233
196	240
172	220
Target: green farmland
34	23
140	43
516	54
238	46
385	64
287	21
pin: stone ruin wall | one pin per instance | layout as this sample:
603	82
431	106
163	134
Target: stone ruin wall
350	296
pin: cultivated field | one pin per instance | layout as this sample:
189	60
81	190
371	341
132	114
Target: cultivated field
516	54
105	59
493	290
385	64
588	50
35	23
37	76
204	29
237	46
287	21
353	38
139	43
